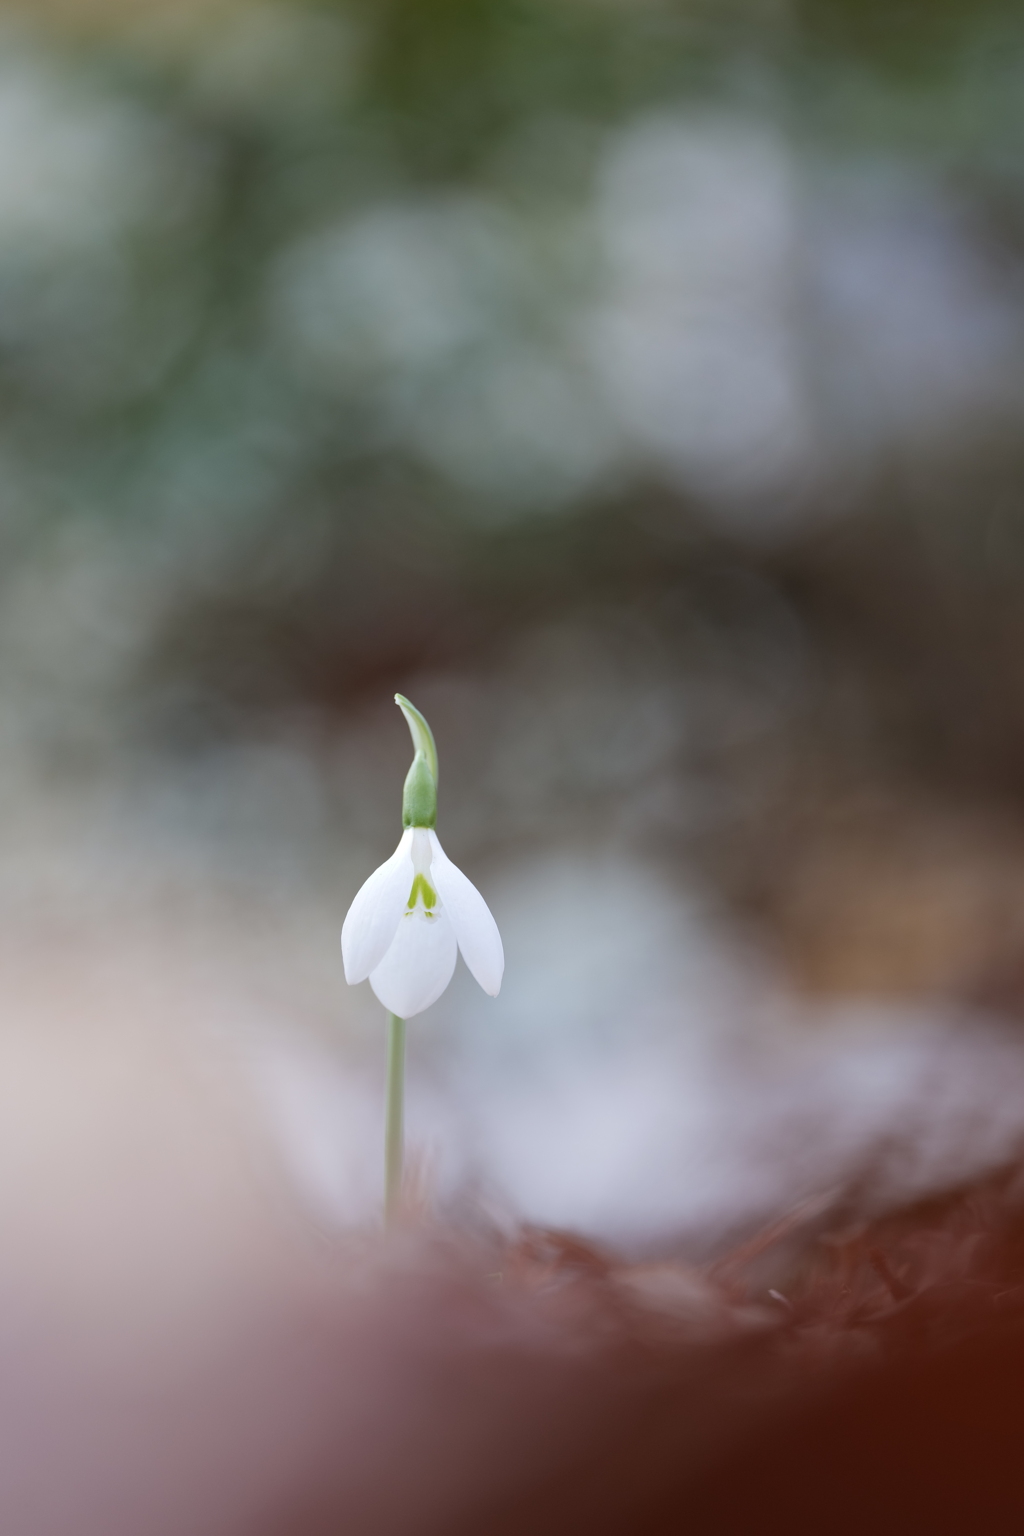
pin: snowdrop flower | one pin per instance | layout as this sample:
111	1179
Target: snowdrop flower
404	931
416	911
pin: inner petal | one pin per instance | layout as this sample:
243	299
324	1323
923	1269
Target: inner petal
422	891
419	964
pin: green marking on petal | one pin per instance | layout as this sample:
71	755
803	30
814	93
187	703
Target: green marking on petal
421	887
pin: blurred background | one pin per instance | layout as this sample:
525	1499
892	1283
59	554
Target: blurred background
638	385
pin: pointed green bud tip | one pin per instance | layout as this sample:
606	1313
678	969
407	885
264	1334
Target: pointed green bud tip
422	735
419	798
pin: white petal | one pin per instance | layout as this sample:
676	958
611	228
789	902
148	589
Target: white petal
376	912
475	928
419	964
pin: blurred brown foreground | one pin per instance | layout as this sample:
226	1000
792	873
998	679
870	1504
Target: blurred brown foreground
181	1353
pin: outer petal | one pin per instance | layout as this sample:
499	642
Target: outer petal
419	964
376	912
475	928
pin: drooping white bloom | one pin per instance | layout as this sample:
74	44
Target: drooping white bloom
409	920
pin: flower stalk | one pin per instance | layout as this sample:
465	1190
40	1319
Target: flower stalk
394	1119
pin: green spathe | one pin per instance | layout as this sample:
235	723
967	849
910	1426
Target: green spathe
422	735
419	798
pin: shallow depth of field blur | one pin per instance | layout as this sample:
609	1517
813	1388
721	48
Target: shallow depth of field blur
638	385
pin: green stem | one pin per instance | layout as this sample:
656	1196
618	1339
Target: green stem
394	1122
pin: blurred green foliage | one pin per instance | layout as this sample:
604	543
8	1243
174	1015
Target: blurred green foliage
318	500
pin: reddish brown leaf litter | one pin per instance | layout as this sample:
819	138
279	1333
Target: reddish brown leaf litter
831	1375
